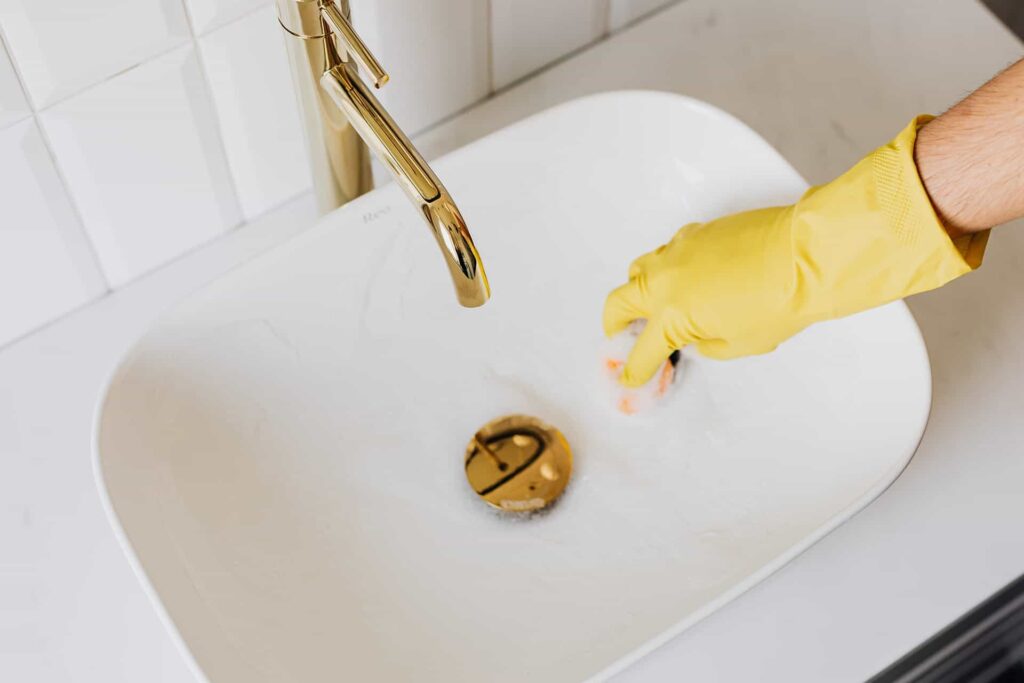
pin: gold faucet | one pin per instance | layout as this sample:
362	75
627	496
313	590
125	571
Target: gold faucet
342	118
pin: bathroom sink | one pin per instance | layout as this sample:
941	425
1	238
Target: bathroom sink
283	452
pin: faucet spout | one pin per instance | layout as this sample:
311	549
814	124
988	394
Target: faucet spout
413	174
460	254
325	51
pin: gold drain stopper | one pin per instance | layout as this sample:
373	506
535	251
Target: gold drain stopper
518	463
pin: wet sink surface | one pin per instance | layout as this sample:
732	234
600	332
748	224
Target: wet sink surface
283	452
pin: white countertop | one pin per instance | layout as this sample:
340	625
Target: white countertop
822	81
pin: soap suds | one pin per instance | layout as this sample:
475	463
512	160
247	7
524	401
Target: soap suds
640	400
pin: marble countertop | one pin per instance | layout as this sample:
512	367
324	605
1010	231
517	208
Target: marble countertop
824	82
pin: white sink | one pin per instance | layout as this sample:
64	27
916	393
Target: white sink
283	452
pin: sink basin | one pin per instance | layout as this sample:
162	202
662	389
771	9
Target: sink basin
283	452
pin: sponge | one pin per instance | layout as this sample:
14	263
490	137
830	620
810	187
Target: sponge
643	399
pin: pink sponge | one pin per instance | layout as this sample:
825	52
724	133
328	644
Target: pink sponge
641	399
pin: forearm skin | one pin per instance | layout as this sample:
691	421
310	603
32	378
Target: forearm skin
971	159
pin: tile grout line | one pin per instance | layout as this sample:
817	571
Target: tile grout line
92	84
604	19
190	252
35	113
546	67
645	16
208	87
90	250
5	44
489	37
13	122
39	327
4	50
244	219
91	246
191	39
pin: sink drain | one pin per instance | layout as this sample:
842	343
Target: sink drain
518	463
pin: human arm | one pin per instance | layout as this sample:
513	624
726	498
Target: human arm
742	284
971	159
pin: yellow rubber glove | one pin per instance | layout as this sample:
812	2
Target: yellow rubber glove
742	284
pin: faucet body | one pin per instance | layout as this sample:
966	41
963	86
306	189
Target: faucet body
343	120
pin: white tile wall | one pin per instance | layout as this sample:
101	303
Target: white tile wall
45	265
259	118
436	52
13	106
209	14
134	130
63	46
144	164
527	34
622	12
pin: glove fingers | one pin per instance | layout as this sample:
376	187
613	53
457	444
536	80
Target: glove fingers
637	266
642	263
652	348
624	305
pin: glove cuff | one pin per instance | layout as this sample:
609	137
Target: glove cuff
872	236
909	210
